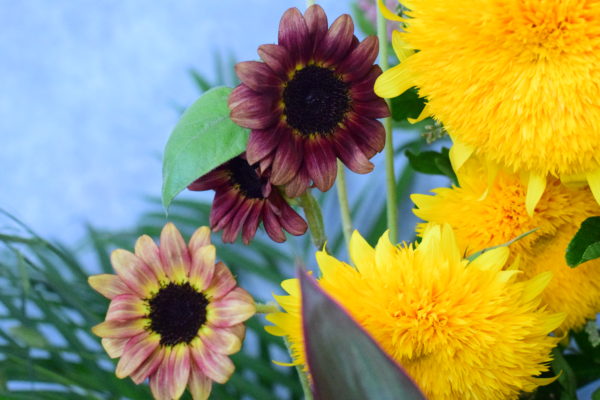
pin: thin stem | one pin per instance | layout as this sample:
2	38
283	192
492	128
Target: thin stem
266	308
313	215
301	374
392	208
342	192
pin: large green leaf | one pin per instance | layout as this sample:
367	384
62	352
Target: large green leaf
344	361
407	105
204	138
585	245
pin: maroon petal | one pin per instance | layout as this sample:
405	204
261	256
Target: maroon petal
293	35
316	20
289	219
232	229
272	225
368	133
351	155
358	63
320	162
262	143
363	88
298	185
376	108
258	76
251	224
220	216
337	41
277	58
288	158
251	109
210	181
266	163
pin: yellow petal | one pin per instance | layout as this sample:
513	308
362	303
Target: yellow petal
459	154
593	179
535	190
492	259
402	50
536	285
361	253
393	82
387	13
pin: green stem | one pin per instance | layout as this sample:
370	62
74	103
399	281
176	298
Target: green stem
342	192
266	308
310	3
303	375
313	215
392	208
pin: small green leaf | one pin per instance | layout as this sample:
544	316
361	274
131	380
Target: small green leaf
585	245
593	335
596	395
566	376
432	163
204	138
344	361
407	105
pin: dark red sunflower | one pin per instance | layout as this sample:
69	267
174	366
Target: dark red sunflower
311	101
243	198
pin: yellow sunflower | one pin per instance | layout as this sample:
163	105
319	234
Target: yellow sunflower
461	330
514	81
484	215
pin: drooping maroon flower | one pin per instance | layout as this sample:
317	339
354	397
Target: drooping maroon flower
243	198
311	101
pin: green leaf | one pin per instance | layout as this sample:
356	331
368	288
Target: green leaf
204	138
29	336
566	376
585	245
345	362
596	395
432	162
362	21
407	105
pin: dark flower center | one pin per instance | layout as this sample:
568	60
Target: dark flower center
245	176
177	312
315	100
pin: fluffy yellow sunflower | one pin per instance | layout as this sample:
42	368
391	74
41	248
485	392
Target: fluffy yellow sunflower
461	330
484	215
514	81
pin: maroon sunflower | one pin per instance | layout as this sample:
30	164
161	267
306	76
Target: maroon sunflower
243	198
311	101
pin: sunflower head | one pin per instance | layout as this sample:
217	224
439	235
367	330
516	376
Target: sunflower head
485	215
438	315
174	316
513	81
311	101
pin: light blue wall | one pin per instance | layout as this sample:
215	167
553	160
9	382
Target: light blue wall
88	90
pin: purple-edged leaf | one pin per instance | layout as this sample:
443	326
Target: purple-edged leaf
344	361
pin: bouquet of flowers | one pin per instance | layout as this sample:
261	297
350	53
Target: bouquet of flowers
496	297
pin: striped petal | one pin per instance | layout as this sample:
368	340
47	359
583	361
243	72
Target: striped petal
236	307
200	238
147	250
137	350
119	329
124	307
222	282
174	253
158	381
108	285
178	371
199	384
220	340
114	347
149	366
134	272
203	267
216	366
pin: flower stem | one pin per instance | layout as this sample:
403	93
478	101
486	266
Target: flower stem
301	374
266	308
313	215
342	192
392	208
310	3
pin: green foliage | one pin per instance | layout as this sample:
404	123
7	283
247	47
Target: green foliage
345	362
407	105
204	138
432	163
585	245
